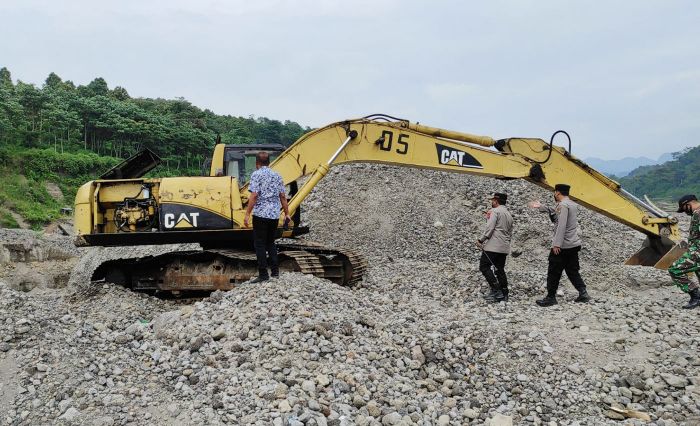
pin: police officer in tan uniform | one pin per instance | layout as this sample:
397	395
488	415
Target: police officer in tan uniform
495	246
563	256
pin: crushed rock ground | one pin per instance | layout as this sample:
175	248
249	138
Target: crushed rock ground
413	344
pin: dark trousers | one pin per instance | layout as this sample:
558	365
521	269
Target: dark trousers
566	260
264	232
499	281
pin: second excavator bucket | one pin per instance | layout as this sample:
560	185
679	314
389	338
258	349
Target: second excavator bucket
659	252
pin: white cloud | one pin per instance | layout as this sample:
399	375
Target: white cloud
615	79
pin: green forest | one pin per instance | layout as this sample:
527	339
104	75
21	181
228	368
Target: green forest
62	135
66	134
667	181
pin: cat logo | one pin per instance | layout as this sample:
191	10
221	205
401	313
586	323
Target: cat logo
182	222
455	157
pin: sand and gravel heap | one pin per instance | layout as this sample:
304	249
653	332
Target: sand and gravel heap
413	344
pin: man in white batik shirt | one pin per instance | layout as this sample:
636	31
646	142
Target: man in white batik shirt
267	197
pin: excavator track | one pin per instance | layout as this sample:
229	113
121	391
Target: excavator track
222	269
349	272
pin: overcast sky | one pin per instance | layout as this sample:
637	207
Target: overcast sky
623	77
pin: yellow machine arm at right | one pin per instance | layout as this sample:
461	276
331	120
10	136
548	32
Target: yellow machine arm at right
386	140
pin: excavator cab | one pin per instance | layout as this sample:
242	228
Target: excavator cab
239	160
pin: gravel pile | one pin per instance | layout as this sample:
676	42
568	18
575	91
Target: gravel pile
413	344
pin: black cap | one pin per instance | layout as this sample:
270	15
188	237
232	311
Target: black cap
685	200
563	188
502	198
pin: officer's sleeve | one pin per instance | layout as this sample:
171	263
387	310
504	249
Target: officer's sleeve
550	211
561	226
490	226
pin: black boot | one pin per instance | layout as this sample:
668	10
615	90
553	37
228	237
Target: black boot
694	299
275	273
498	296
262	277
490	295
583	297
493	292
547	301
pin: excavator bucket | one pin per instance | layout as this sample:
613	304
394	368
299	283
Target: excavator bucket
659	252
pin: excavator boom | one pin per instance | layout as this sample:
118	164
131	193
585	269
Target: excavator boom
402	143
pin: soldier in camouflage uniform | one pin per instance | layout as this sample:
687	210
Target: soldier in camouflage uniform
690	261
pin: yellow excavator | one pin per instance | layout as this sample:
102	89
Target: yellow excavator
122	208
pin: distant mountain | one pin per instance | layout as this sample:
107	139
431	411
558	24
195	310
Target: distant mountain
624	166
669	180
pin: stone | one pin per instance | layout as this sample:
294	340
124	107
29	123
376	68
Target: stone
373	409
173	409
123	338
501	420
284	406
104	421
358	401
165	324
281	391
674	380
64	405
417	355
391	419
218	334
613	415
574	368
308	386
323	380
470	413
70	415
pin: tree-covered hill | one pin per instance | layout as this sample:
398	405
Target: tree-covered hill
667	181
67	134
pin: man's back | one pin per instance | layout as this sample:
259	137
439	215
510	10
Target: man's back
566	231
268	184
499	239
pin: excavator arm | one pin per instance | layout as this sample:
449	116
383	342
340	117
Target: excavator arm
383	139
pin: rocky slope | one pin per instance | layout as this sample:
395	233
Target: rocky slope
414	344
